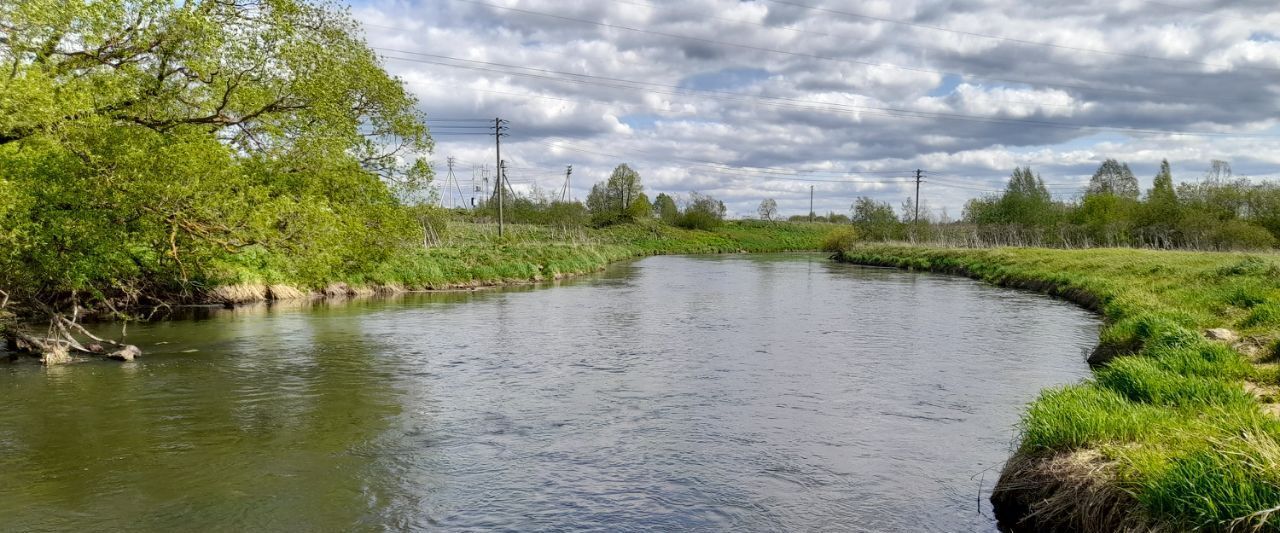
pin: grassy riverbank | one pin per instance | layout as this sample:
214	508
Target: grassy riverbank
473	255
1176	431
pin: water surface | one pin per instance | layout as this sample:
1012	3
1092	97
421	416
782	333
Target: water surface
745	393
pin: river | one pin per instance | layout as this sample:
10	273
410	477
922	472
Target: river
744	393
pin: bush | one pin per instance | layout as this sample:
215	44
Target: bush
1240	235
702	212
839	239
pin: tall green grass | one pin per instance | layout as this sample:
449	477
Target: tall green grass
1171	411
474	254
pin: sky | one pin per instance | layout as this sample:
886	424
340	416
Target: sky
754	99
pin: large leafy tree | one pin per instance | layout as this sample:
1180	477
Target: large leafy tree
875	219
154	144
1114	177
768	209
664	206
1160	214
611	202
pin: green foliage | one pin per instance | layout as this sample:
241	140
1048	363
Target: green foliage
640	208
1171	417
1241	235
1113	178
665	209
1217	213
1080	415
147	143
611	202
701	212
840	239
1107	219
1265	315
1147	380
1223	487
875	219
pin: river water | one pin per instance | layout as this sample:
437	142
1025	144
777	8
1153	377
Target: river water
744	393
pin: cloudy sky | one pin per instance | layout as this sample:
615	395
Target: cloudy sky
757	99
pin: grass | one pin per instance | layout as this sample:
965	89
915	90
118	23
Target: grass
474	255
1169	415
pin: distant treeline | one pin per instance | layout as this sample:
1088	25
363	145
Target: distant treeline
1218	212
620	199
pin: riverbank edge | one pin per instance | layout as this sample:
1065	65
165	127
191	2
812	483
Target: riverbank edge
1074	489
1039	491
548	264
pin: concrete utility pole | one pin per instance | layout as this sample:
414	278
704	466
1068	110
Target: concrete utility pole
811	203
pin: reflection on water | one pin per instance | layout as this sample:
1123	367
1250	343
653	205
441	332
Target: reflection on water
732	392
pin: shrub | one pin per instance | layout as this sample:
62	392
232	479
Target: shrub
839	239
702	212
1240	235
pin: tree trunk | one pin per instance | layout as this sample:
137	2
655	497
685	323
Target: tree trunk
56	349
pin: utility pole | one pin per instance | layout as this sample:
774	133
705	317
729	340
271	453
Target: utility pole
919	175
564	193
811	203
502	171
452	179
499	129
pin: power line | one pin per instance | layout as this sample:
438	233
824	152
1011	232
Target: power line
722	166
730	170
919	46
1016	40
791	102
825	58
736	21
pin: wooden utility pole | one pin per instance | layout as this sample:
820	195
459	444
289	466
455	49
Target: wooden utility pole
919	175
499	129
564	193
502	167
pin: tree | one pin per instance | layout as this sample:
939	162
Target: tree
185	131
768	209
152	147
1114	177
909	211
874	219
1160	213
665	208
603	210
640	208
610	202
624	186
1219	171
